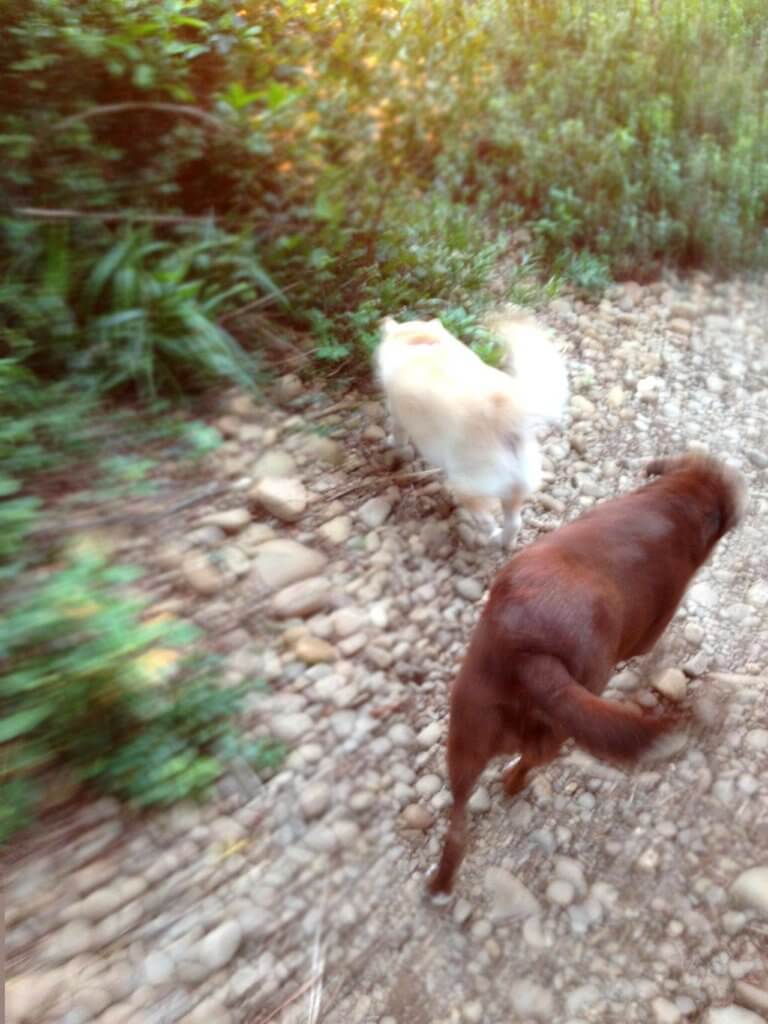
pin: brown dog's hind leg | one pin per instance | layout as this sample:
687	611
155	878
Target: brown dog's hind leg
473	739
545	749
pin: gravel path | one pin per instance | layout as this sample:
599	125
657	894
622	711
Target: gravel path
600	895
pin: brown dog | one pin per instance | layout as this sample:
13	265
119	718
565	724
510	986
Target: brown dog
559	617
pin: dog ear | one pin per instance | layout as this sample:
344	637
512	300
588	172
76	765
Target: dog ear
386	324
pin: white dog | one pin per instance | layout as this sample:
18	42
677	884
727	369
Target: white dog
474	422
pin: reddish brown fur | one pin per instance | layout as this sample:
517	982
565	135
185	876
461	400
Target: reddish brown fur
562	613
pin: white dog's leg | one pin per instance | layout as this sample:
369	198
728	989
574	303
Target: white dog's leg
398	437
511	504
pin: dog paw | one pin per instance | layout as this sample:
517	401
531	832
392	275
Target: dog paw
437	899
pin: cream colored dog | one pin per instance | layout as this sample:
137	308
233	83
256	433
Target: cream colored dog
474	422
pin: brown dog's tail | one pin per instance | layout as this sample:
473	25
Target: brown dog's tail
602	727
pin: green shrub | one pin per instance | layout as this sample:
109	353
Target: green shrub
112	310
377	154
91	688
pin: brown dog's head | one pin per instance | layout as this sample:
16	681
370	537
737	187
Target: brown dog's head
700	476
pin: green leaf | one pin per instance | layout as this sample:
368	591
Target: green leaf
21	722
238	97
144	76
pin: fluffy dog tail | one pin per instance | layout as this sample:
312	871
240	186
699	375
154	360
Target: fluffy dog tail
600	726
536	365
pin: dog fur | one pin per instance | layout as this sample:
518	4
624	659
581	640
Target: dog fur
474	422
559	617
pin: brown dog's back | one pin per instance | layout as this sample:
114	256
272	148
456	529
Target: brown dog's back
563	612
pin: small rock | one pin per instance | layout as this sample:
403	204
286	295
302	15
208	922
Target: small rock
698	664
417	817
582	407
73	939
373	432
353	644
757	595
219	946
693	633
159	968
283	497
231	520
31	995
509	898
680	326
336	530
233	560
561	892
280	562
570	870
242	405
209	1011
321	839
462	911
581	998
468	588
684	310
201	575
323	449
94	999
312	650
480	801
303	598
274	464
347	621
289	386
315	799
649	388
529	999
756	739
731	1015
703	594
291	727
751	890
374	512
615	396
753	996
346	832
757	458
670	683
665	1011
428	785
402	735
473	1012
737	612
430	734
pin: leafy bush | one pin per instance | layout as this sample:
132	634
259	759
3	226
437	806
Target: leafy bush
90	686
377	154
109	311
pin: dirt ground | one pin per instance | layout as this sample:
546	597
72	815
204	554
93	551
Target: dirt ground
599	895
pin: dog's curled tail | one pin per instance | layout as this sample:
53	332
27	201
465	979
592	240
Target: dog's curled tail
602	727
536	364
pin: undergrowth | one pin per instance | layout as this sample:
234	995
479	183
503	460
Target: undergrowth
337	162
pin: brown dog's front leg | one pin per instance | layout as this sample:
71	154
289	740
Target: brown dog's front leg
440	878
